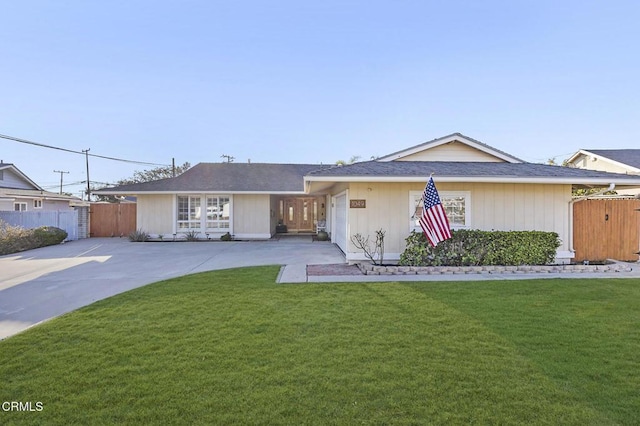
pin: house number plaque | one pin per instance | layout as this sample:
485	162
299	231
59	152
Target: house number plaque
358	204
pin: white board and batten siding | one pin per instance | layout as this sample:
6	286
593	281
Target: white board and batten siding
503	207
454	151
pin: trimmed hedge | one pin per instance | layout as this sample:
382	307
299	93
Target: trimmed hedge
479	248
15	239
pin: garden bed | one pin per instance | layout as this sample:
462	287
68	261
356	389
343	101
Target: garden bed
369	269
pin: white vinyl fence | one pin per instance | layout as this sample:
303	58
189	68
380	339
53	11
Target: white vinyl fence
67	220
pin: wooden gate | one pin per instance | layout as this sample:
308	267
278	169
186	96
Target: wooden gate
606	229
112	220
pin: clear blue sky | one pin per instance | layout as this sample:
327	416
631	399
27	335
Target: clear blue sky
302	81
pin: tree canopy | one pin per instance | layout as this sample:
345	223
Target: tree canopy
157	173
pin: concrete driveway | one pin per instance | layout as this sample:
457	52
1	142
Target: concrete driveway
44	283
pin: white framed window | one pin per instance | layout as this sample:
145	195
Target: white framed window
20	207
189	212
218	209
37	204
457	205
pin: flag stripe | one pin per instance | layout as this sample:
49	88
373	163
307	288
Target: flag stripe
434	222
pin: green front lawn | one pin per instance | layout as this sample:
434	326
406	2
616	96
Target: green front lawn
232	347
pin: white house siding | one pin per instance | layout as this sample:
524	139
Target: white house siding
51	205
251	216
12	180
506	207
155	214
454	151
7	204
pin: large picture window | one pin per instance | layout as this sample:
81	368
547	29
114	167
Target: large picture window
457	205
189	212
204	213
218	212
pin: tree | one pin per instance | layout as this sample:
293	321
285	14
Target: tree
162	172
353	159
157	173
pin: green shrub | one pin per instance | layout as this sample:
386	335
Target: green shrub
138	236
192	235
14	239
475	247
49	235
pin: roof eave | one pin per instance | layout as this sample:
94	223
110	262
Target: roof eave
480	179
195	191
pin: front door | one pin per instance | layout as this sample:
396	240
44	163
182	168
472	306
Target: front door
299	214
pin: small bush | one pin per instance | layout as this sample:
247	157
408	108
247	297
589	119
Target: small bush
475	248
226	237
139	236
14	239
49	235
192	235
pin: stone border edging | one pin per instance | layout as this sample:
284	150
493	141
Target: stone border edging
368	269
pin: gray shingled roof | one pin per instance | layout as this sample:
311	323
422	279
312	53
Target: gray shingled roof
283	178
461	169
630	157
228	177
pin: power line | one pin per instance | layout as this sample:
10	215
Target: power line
80	152
61	174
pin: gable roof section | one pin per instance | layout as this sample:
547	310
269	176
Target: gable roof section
454	137
627	158
227	178
451	171
21	176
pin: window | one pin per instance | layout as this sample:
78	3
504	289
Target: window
20	207
217	212
189	213
216	217
457	205
37	204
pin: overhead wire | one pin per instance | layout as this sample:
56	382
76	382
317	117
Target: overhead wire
25	141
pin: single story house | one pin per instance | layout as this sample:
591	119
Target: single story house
481	188
19	193
609	160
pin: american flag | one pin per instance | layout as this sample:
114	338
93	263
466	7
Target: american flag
434	222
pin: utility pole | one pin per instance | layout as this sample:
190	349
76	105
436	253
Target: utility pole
173	167
86	154
61	173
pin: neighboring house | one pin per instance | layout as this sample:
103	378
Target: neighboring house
609	160
19	193
481	188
